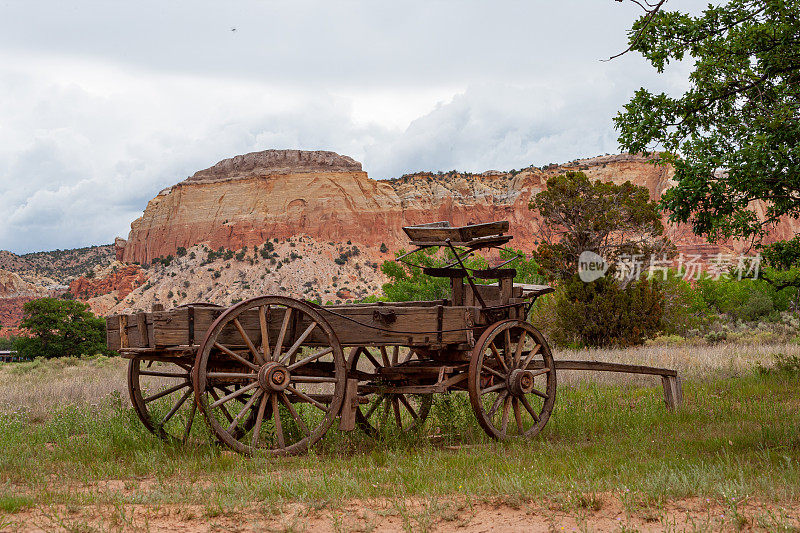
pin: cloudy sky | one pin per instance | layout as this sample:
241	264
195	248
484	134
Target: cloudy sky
104	103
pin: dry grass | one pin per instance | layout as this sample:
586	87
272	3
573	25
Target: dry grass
691	362
38	388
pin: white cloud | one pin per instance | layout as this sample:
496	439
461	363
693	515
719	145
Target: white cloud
103	105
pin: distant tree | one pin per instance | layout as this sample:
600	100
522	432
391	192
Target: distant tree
576	215
60	328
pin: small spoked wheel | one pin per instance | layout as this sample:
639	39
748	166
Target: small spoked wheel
386	411
512	380
285	371
162	395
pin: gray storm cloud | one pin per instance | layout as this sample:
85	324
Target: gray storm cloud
104	104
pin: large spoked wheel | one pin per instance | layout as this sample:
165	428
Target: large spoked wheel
386	412
288	366
512	380
162	395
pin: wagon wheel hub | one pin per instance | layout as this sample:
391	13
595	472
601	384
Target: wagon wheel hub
274	377
520	382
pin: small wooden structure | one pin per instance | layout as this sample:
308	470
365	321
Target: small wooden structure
9	356
274	373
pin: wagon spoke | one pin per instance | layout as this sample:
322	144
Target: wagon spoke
500	397
539	393
247	341
385	415
374	406
539	372
310	358
262	321
233	395
396	408
507	347
395	354
189	422
520	345
496	355
166	392
235	356
276	414
232	375
495	372
372	360
221	406
528	408
303	396
408	356
531	355
506	409
175	407
160	374
298	342
287	317
517	414
404	401
246	408
384	356
295	414
262	405
494	388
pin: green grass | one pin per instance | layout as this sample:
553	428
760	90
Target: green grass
736	438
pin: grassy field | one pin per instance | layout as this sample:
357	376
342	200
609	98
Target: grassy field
75	457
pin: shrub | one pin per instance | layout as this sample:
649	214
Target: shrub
181	251
603	313
384	248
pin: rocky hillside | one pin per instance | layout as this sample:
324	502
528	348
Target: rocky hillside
40	274
16	291
58	266
300	267
248	199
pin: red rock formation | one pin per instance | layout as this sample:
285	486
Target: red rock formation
247	199
11	315
121	281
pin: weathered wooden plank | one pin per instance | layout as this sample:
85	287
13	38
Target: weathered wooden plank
347	422
439	232
141	326
123	332
602	366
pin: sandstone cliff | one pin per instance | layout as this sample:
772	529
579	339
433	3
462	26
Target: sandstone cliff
245	200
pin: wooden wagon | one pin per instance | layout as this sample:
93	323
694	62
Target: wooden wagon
274	373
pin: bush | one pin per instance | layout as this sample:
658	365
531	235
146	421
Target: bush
684	306
181	251
602	313
60	328
747	299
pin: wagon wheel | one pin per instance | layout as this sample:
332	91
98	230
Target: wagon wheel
512	380
404	412
163	397
288	363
